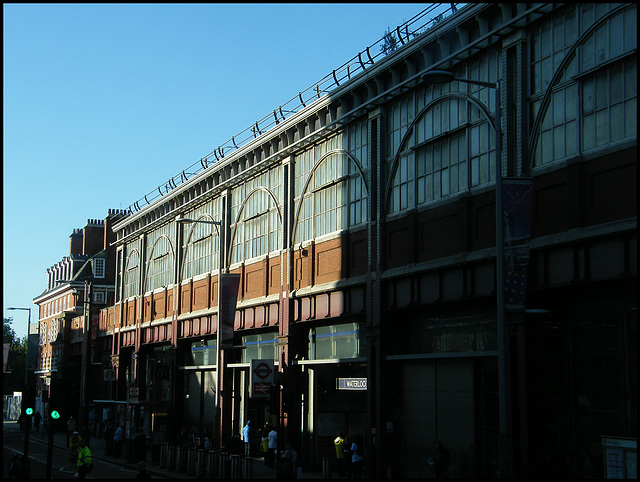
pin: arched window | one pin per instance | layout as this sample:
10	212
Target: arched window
448	147
160	265
257	223
583	81
334	196
132	274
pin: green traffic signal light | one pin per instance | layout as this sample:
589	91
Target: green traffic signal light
29	411
55	414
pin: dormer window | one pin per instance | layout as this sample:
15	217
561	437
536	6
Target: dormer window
98	268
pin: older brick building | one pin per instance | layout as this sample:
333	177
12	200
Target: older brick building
65	307
363	227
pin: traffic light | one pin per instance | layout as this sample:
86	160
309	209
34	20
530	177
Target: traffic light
29	401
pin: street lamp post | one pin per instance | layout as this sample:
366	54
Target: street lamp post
26	418
440	77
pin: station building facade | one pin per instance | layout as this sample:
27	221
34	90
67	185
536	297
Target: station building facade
363	229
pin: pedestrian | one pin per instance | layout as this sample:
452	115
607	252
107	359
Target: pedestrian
84	460
191	438
235	446
14	466
339	445
142	471
246	438
71	427
74	448
273	446
357	457
265	443
208	445
108	438
117	442
441	462
288	462
37	418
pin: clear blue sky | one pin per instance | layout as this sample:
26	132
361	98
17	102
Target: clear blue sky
103	103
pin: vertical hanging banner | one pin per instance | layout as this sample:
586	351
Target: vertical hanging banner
229	284
517	202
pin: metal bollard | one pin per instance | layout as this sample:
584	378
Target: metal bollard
212	464
182	459
191	461
326	467
163	455
171	458
248	468
222	465
236	467
202	463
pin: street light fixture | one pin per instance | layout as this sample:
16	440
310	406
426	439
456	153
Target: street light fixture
441	77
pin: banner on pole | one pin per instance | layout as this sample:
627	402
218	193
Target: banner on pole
517	203
229	284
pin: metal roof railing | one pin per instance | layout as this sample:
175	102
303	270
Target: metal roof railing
389	42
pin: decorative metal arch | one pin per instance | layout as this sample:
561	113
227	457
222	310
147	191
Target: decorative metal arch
239	217
311	174
188	240
448	95
172	250
126	265
546	98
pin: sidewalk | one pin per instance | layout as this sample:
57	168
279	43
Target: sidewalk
260	471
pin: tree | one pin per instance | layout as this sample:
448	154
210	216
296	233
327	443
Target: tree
390	42
13	379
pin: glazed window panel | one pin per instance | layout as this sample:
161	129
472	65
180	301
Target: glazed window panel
401	115
258	230
160	267
357	144
549	45
132	275
587	112
402	192
43	333
609	105
202	240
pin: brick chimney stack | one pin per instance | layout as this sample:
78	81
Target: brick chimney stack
75	244
93	237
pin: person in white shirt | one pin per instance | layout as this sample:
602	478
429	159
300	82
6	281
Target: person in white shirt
273	445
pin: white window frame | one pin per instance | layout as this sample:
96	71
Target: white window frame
99	267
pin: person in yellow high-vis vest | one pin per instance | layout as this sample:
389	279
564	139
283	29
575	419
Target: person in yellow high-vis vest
84	460
339	445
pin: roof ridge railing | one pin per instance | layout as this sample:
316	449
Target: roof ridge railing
388	43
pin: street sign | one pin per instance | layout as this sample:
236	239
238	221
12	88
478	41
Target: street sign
351	383
262	376
133	394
